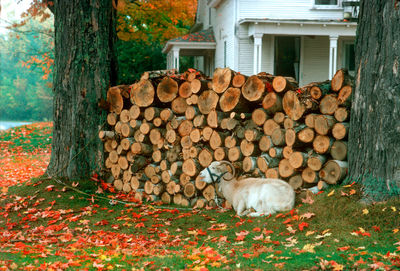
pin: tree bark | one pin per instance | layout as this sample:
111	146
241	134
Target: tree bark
85	67
374	142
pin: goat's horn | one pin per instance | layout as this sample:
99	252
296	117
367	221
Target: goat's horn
224	162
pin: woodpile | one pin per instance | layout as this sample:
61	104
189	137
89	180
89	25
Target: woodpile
164	129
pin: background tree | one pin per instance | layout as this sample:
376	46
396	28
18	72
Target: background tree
84	70
374	139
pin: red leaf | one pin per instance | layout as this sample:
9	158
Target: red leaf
303	225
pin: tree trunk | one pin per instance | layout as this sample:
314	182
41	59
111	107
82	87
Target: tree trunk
374	142
84	70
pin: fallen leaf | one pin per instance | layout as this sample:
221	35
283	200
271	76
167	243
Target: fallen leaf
331	193
365	211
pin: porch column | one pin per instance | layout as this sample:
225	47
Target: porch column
257	53
332	55
175	59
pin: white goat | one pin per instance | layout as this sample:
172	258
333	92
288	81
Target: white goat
265	196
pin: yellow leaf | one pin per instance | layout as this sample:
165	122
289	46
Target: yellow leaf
395	230
393	208
361	229
310	233
365	211
309	248
331	193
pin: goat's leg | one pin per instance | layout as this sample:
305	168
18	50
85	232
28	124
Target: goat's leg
241	209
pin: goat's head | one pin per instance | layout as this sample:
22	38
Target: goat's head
216	171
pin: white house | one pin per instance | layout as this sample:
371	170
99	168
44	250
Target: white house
305	39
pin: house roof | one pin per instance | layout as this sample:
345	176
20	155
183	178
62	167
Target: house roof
194	40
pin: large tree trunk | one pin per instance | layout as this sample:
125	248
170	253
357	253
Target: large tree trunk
84	69
374	141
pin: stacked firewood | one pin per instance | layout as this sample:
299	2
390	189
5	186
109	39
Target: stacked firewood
165	129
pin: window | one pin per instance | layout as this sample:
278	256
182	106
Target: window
349	61
326	2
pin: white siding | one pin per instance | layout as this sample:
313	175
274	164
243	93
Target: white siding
245	51
315	62
287	9
224	30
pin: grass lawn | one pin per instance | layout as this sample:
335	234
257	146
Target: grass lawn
46	225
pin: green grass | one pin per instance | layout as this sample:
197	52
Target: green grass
334	234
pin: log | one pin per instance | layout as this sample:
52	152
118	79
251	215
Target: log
214	118
179	199
315	161
298	159
262	164
135	123
205	157
334	171
198	203
142	93
285	169
199	121
289	123
170	136
264	144
341	114
276	152
104	135
118	184
123	162
230	141
151	112
185	90
322	144
252	135
238	80
208	101
338	150
271	162
127	130
199	183
167	90
279	117
157	156
249	164
176	168
126	176
319	91
166	115
221	79
282	84
150	170
141	148
292	105
229	99
344	96
186	143
155	179
191	167
113	156
306	135
292	135
158	189
191	112
340	130
108	163
195	135
112	118
309	120
272	173
322	185
185	127
166	198
198	85
134	112
295	181
194	151
253	89
170	187
220	153
309	175
189	190
124	116
272	102
135	183
329	104
179	105
148	187
248	148
287	151
259	116
116	171
278	137
146	127
269	126
340	79
234	154
209	192
231	124
323	124
206	133
184	179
